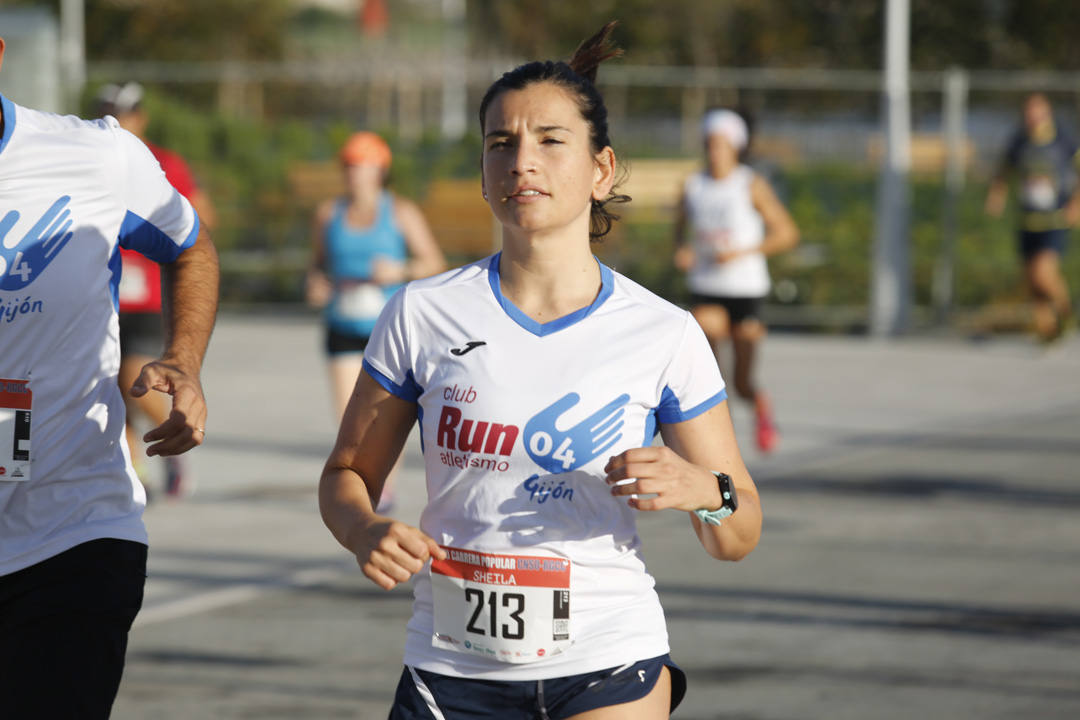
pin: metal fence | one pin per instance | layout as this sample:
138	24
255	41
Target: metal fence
803	117
818	114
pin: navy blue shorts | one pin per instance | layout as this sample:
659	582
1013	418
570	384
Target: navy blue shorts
340	343
1034	242
64	628
423	695
739	309
141	334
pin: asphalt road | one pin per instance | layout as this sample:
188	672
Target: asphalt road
921	553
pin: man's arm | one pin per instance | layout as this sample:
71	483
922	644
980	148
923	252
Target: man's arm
190	307
998	192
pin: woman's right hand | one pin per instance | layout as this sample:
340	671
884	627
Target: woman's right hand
318	289
389	552
684	258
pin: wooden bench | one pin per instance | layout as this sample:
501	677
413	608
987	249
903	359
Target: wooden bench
460	217
457	213
312	182
655	185
928	152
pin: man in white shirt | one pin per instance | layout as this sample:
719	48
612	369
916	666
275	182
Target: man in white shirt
72	540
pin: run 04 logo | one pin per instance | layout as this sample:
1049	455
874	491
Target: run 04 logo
23	259
486	445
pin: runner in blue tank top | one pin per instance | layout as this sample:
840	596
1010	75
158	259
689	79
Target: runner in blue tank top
361	248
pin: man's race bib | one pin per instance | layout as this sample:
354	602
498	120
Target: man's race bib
359	300
511	608
1039	193
15	402
134	288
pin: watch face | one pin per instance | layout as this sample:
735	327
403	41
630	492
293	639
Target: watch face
727	491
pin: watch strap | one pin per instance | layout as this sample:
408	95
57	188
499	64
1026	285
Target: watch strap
729	502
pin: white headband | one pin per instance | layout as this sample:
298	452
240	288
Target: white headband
728	124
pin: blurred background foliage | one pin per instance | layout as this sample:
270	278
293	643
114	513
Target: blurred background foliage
247	159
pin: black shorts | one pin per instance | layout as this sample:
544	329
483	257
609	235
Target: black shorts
339	343
1033	242
739	309
64	627
420	694
141	334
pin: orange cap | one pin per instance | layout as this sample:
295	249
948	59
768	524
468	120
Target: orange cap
366	147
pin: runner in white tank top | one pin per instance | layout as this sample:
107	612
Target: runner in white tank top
539	377
735	220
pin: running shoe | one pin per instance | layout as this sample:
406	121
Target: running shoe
177	482
767	435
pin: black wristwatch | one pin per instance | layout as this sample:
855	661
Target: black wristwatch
729	504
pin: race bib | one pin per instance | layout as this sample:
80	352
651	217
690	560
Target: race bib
511	608
711	242
359	301
15	407
1039	193
134	288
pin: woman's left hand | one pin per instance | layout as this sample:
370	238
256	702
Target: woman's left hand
675	482
726	256
388	272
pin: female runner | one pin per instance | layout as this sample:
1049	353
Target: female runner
361	245
540	377
736	222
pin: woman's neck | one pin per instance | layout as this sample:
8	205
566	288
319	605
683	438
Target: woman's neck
363	200
719	171
548	277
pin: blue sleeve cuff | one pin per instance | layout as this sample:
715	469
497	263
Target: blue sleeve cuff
144	237
408	390
670	412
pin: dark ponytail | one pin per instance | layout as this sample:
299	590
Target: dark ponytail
591	52
578	76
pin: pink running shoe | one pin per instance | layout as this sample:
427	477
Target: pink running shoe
767	435
177	481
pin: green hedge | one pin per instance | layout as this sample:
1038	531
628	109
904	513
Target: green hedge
244	165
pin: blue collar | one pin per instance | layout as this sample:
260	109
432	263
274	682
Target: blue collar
607	285
8	108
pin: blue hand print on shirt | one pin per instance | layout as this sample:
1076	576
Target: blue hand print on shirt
21	262
560	451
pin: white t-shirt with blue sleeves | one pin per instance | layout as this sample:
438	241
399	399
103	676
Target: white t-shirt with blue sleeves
71	193
518	419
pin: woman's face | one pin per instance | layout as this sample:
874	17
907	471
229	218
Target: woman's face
539	171
721	154
362	178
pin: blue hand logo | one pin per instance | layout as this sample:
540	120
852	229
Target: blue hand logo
559	451
21	262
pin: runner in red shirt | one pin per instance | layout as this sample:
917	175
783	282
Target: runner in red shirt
141	336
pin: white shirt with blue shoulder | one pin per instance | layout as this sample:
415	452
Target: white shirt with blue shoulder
72	192
546	576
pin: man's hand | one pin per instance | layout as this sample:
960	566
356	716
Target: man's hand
185	426
1072	211
995	198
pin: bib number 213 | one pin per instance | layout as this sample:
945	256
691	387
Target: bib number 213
512	625
508	608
